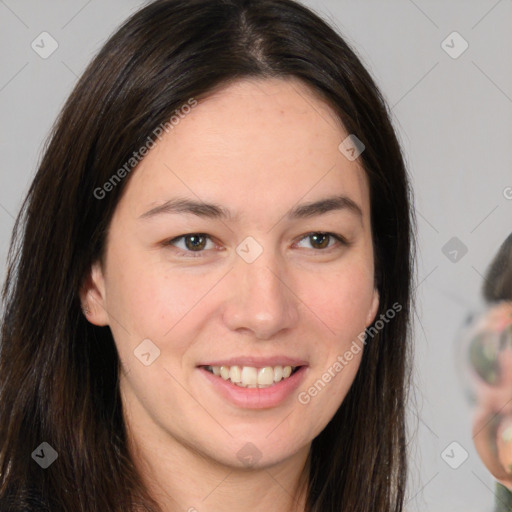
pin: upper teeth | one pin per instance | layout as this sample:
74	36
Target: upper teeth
251	377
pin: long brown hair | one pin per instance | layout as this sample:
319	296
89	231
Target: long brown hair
59	373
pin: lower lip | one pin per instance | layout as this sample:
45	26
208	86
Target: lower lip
256	398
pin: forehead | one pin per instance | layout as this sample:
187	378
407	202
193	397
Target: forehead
251	143
496	318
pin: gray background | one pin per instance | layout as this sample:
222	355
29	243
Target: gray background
454	119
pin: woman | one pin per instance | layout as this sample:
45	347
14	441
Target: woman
208	296
489	340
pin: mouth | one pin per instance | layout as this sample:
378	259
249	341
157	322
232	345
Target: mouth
252	376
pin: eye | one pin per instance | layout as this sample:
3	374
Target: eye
484	352
320	240
193	243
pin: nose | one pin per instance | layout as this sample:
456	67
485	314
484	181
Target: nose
262	301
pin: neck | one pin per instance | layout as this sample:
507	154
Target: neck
181	478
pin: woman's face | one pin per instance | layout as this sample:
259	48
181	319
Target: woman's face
490	366
255	284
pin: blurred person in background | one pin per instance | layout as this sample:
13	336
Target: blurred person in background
488	342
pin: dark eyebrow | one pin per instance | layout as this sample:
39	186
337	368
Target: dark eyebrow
182	205
215	211
326	205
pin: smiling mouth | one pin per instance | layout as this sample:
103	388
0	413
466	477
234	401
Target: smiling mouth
252	377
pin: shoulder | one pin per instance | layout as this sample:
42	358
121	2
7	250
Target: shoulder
503	500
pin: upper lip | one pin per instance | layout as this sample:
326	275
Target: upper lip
258	362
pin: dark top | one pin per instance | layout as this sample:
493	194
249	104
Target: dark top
503	501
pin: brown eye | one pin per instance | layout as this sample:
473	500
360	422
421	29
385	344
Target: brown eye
193	243
320	240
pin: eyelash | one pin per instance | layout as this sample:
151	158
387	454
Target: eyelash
198	254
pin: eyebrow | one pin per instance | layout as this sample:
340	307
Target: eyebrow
215	211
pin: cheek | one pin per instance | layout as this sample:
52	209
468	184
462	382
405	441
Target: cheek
341	300
146	298
341	303
146	304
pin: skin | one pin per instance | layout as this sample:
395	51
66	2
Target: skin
492	420
259	148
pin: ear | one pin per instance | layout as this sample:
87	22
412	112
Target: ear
93	297
373	308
